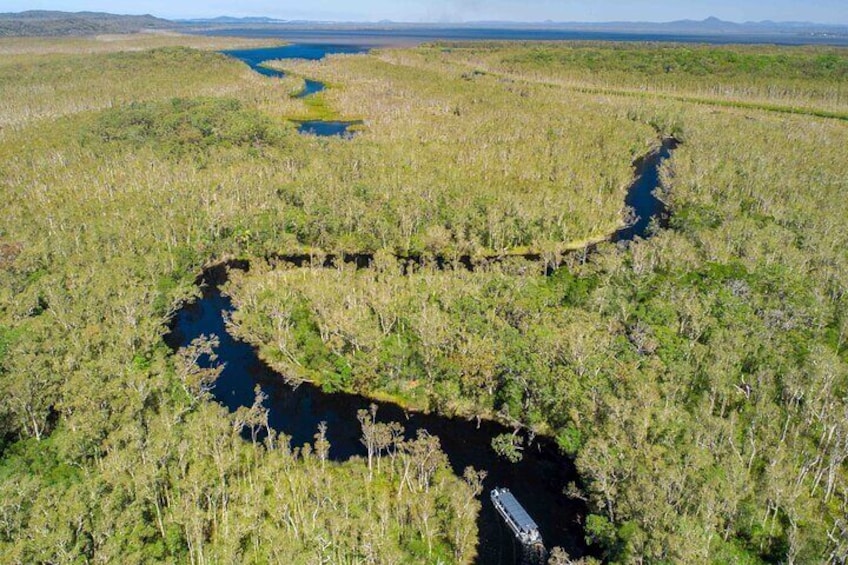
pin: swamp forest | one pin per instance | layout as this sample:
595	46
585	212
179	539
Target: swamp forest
232	332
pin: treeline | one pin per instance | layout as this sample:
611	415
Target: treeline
803	78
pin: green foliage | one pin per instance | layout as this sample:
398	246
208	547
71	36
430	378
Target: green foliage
182	126
690	61
601	532
40	459
802	80
508	446
696	218
5	340
570	289
570	440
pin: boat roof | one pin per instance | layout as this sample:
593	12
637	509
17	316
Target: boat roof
516	511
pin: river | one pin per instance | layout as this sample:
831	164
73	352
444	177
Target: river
537	481
256	59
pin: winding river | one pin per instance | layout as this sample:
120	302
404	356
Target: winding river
537	481
256	59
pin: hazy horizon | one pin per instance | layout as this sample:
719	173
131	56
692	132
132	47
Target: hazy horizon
832	12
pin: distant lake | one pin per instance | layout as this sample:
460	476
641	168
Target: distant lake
412	35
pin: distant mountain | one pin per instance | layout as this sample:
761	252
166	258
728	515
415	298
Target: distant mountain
50	23
708	27
89	23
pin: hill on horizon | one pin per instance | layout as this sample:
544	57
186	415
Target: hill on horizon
709	27
56	23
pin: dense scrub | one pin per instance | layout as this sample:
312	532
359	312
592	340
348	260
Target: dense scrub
181	484
699	377
38	84
180	125
798	79
468	164
689	62
111	450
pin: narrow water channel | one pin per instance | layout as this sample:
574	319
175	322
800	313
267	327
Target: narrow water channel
310	87
648	210
256	59
327	128
537	481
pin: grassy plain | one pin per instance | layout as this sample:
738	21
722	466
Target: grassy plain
699	377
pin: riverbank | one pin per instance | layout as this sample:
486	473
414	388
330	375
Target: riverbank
538	479
649	212
550	506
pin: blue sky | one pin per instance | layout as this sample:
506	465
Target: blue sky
824	11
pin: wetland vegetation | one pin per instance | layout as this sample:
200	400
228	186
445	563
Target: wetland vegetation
698	378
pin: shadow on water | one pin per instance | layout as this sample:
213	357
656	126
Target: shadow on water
537	481
648	210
